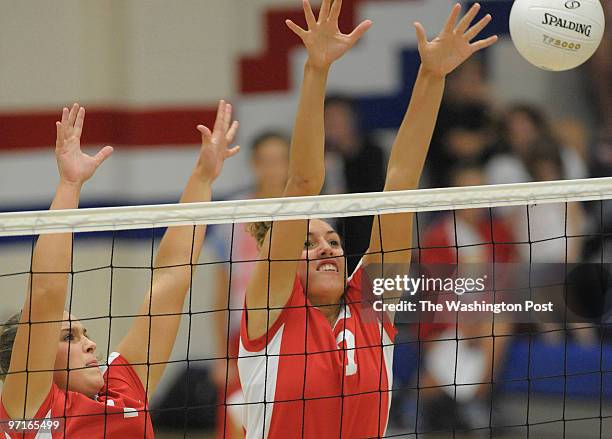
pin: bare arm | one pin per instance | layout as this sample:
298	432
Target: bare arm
160	312
271	284
393	233
36	344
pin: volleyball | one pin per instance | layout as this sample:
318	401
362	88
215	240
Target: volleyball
556	34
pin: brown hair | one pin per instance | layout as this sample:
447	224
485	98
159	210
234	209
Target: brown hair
7	339
259	231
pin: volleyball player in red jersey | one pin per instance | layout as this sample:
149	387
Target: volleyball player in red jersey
63	378
312	363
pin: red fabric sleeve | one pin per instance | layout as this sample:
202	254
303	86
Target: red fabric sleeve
296	301
121	378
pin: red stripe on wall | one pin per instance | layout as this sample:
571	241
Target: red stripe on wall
109	127
267	72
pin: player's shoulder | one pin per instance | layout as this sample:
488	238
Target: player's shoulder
118	364
119	374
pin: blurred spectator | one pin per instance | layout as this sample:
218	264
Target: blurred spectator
468	139
544	231
468	84
270	166
600	71
468	236
464	130
452	238
354	164
600	213
526	128
551	233
574	134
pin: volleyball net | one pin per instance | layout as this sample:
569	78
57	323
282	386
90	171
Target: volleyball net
527	355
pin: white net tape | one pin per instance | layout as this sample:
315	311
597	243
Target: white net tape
325	206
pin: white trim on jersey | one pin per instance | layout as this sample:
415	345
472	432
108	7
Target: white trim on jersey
345	313
258	374
236	407
112	357
388	347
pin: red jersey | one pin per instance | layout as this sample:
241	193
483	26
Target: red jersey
307	379
451	241
440	246
118	411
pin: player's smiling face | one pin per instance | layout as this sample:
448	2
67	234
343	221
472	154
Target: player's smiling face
77	353
322	267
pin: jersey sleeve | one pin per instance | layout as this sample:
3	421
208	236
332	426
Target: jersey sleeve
296	302
120	378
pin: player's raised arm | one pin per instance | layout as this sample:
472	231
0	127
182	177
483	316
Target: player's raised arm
160	311
36	344
439	57
271	283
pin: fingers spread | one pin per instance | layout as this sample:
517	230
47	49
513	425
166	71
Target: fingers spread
359	31
295	28
65	116
73	114
421	35
205	131
219	120
452	18
232	152
59	139
467	19
228	117
78	124
310	18
481	44
324	11
231	134
478	27
103	154
334	12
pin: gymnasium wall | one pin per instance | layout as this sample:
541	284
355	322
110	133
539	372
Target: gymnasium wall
149	70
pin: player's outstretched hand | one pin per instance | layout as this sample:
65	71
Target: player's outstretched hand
454	44
215	145
323	39
75	167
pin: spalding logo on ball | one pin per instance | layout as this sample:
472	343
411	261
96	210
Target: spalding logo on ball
556	34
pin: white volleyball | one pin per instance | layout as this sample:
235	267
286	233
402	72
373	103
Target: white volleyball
556	34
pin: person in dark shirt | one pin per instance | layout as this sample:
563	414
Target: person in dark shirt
465	130
363	168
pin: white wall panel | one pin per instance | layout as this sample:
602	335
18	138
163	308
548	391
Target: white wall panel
180	55
165	54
